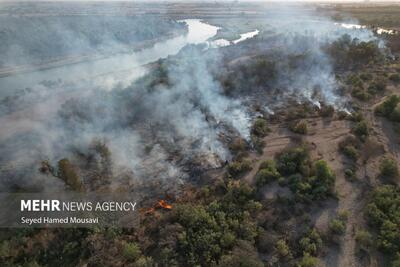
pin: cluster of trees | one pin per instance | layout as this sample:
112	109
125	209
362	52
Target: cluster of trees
348	52
251	75
390	108
388	170
364	85
267	173
383	213
308	180
223	231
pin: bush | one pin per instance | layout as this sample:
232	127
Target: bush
366	76
240	167
267	173
383	213
4	249
351	152
337	226
311	243
300	127
294	160
244	254
327	111
395	115
395	77
361	130
364	239
260	127
377	86
238	146
360	94
316	187
356	117
388	106
131	251
282	248
349	147
144	262
396	261
350	174
258	143
308	261
388	168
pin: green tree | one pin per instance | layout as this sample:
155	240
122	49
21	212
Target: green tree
388	168
308	261
267	173
131	251
260	127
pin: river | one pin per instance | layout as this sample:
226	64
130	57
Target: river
124	65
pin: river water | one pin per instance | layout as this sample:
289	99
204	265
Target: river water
124	65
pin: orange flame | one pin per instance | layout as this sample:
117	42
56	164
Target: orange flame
160	204
164	205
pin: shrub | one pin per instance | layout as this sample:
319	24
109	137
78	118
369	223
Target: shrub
144	262
293	160
361	130
354	81
364	239
300	127
4	249
350	174
267	173
258	143
350	151
395	115
395	77
238	146
388	168
327	111
396	261
349	147
316	187
282	248
244	254
383	213
337	226
308	261
366	76
239	167
388	106
311	243
377	86
356	117
260	127
343	215
360	94
131	251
